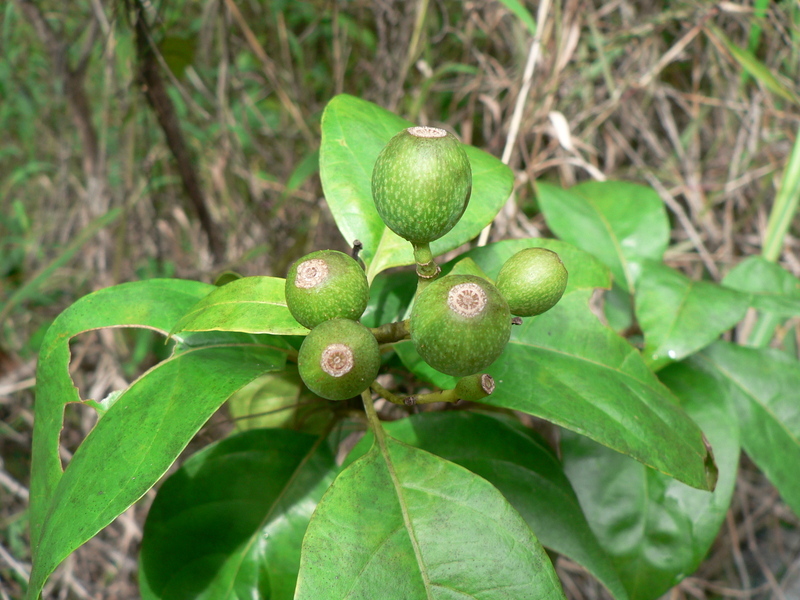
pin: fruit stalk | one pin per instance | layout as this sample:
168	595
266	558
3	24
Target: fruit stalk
388	333
471	388
426	266
386	394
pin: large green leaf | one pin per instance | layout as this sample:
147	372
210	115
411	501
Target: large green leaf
249	304
567	368
773	289
620	223
764	385
400	523
230	522
154	304
354	132
137	440
679	316
518	463
658	530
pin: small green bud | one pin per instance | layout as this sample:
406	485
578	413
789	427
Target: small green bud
532	281
339	359
460	324
325	285
421	183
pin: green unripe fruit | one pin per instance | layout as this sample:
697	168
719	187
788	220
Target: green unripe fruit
326	285
460	324
339	359
532	281
421	183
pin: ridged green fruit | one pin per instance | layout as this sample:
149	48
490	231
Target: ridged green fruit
532	281
421	183
325	285
339	359
460	324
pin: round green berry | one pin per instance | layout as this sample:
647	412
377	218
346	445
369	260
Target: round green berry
325	285
460	324
532	281
421	183
339	359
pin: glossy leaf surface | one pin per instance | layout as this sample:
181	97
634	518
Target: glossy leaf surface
679	316
765	384
155	304
518	463
658	530
400	523
279	400
249	304
620	223
389	297
230	522
567	368
354	132
773	289
138	439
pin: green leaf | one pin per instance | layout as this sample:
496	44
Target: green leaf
389	297
658	530
279	400
400	523
249	304
679	316
178	52
230	522
154	304
620	223
518	463
137	440
773	289
565	367
354	132
519	10
764	384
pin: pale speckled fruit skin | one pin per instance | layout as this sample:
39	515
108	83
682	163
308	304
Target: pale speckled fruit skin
532	281
365	351
343	294
421	186
451	343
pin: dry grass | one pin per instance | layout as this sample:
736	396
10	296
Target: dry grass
621	89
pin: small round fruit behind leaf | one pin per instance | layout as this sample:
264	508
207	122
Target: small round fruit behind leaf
421	183
460	324
325	285
532	281
339	359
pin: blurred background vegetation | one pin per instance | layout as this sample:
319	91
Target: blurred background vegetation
172	138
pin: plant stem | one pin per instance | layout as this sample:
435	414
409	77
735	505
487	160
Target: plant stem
389	333
386	394
785	206
426	266
427	269
780	218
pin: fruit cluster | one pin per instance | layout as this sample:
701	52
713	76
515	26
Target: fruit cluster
459	324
